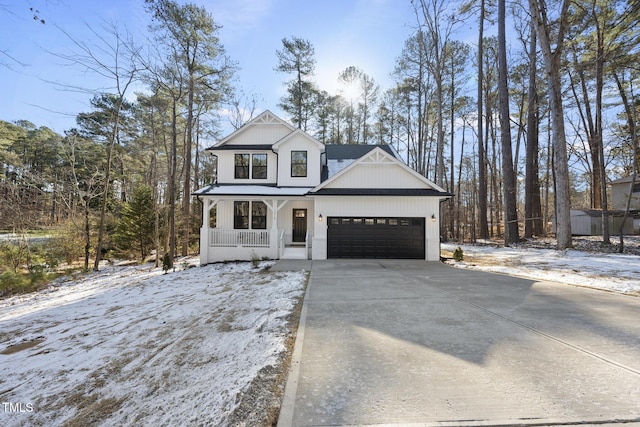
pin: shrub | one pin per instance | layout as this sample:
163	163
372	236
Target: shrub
167	262
67	243
12	283
458	255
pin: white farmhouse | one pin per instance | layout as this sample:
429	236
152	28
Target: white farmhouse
280	193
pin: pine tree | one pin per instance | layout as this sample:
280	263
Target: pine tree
135	229
298	56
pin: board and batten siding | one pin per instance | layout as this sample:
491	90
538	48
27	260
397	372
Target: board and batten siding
261	134
226	167
376	175
372	206
299	143
620	193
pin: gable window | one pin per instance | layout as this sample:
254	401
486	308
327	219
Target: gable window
258	216
259	166
241	215
636	187
242	166
299	163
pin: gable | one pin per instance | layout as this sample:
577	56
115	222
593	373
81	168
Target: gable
266	129
378	170
298	139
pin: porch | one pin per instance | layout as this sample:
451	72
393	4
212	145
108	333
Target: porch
256	226
233	245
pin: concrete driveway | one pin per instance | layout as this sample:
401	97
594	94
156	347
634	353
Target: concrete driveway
385	342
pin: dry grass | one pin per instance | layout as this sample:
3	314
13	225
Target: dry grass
260	403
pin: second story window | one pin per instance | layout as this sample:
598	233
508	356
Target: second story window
299	163
242	166
259	166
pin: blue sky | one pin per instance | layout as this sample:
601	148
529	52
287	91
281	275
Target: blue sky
366	33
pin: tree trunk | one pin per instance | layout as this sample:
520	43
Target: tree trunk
87	234
631	120
532	208
107	184
454	200
552	59
600	142
186	209
172	180
508	174
482	179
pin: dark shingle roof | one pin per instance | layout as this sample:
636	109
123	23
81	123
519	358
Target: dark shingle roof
354	151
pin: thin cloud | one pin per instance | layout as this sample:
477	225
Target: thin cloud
241	16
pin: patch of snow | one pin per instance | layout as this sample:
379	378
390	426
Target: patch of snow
134	346
607	271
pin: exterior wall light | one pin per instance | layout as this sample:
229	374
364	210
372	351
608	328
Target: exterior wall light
320	218
433	217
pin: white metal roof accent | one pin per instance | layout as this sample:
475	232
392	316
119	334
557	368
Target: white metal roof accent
336	166
251	190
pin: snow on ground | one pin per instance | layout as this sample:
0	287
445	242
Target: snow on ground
130	345
608	271
133	346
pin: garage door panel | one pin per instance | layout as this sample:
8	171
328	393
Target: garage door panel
375	237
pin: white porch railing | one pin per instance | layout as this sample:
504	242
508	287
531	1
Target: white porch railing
244	238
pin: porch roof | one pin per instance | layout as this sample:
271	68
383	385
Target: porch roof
251	190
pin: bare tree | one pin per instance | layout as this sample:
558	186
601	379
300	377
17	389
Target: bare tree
482	178
631	122
439	22
532	205
192	36
110	55
552	44
508	174
242	108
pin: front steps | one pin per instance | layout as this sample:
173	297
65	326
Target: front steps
294	252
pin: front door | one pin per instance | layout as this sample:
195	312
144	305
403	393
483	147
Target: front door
299	225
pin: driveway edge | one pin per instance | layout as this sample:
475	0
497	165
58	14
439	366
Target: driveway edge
287	408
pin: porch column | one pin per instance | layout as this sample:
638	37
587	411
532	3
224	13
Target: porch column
274	214
207	205
274	205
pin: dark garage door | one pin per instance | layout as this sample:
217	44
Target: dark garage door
370	237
